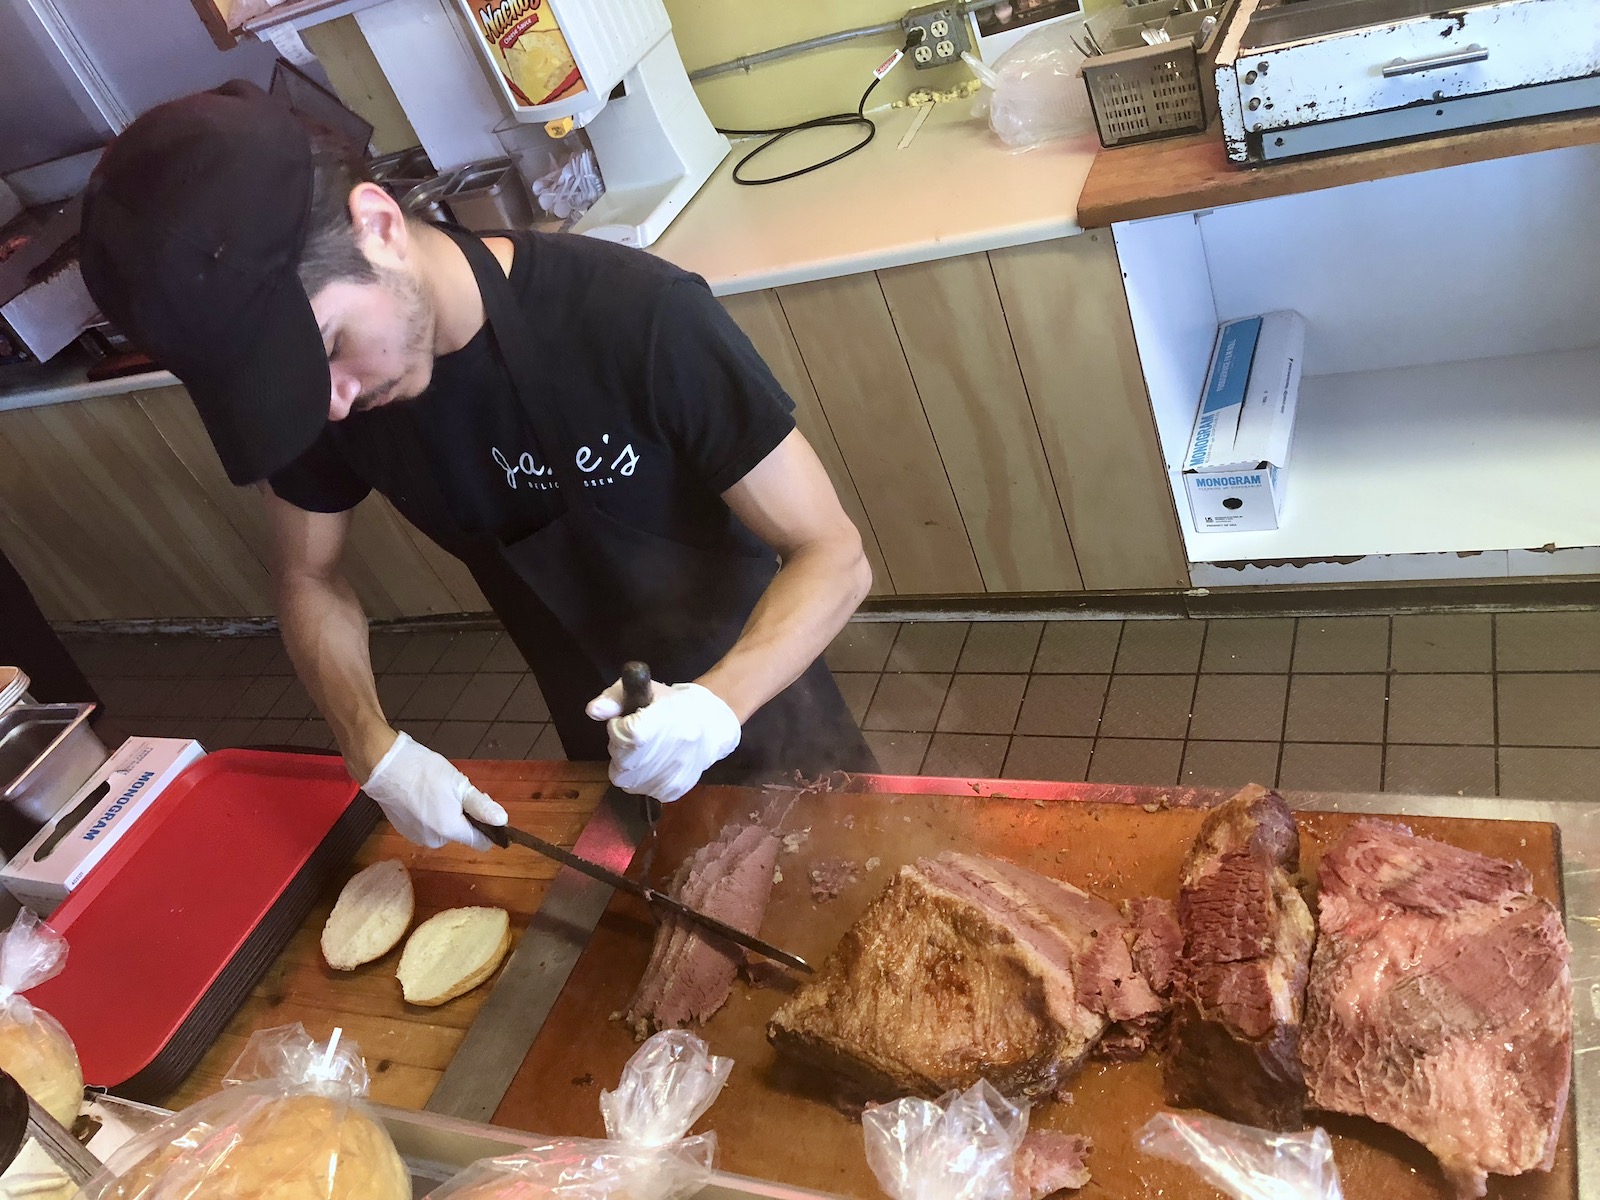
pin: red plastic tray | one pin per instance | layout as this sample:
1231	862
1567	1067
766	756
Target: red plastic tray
167	936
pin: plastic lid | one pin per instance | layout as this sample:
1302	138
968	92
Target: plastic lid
13	685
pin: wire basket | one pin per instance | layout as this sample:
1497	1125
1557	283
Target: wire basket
1146	92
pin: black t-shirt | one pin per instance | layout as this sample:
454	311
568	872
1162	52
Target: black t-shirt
666	403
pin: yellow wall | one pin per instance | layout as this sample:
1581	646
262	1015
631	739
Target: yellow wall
808	85
707	31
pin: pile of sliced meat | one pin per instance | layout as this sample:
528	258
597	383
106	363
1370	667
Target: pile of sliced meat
1440	1002
969	968
1241	976
690	975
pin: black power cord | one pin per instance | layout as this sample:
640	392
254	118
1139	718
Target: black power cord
835	120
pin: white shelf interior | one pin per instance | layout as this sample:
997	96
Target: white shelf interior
1487	454
1451	402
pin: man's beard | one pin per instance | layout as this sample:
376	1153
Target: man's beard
420	321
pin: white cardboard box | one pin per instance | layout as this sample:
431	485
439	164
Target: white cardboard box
1236	471
61	854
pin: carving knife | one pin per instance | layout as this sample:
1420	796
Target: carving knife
504	835
636	694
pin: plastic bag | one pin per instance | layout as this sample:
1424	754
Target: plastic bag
570	189
1245	1162
1039	93
669	1082
961	1148
288	1124
34	1049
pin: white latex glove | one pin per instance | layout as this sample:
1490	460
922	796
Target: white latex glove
664	748
427	800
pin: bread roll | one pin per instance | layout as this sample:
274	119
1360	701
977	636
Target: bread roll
40	1056
451	953
372	914
298	1147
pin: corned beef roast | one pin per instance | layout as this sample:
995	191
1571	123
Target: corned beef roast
1440	1002
969	968
1157	940
689	975
1237	1002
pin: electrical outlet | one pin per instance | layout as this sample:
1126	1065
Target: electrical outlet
943	35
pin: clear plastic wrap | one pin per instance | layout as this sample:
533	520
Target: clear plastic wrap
665	1088
34	1049
962	1147
288	1124
1038	91
1245	1162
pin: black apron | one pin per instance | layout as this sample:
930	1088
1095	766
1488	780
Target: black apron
587	592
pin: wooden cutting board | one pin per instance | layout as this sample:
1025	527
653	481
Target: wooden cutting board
770	1121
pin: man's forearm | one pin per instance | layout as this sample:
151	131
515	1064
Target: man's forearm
325	630
804	607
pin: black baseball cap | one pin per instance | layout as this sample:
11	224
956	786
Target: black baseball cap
193	225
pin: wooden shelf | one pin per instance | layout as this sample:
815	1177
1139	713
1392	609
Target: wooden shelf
1156	179
303	14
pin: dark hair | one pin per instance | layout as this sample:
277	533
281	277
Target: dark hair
331	253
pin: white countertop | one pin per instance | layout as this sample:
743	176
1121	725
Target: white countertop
954	190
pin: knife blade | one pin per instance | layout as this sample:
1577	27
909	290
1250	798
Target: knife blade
504	835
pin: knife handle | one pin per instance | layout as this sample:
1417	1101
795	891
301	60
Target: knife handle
495	833
635	687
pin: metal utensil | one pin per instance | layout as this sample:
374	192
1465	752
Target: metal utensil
636	694
504	835
47	751
22	1118
489	195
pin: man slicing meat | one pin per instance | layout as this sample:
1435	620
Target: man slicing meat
581	424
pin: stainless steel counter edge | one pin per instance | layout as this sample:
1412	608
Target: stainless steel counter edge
72	386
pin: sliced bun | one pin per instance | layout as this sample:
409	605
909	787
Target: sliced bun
41	1057
299	1147
370	917
450	954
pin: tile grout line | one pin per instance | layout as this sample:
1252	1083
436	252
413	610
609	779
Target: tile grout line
1288	695
1388	689
1027	683
934	731
1105	699
1194	696
1494	686
883	669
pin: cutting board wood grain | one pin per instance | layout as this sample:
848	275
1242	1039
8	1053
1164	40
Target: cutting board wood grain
406	1047
772	1120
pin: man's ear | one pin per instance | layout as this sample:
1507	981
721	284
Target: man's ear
380	226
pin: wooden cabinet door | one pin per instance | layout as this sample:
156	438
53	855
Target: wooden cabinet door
853	355
760	315
958	349
117	509
1068	318
132	533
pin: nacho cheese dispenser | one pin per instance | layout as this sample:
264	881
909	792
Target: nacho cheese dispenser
464	68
